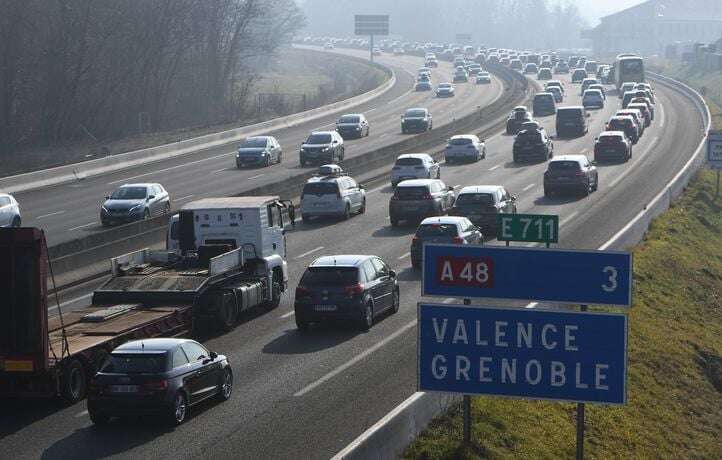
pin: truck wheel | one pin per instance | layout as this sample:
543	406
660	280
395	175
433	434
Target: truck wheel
275	293
73	382
227	313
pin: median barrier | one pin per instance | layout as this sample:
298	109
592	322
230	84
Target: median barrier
71	256
75	171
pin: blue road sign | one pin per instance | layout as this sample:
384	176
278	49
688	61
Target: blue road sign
534	354
598	277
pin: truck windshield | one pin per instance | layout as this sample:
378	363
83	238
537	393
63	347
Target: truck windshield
135	363
330	276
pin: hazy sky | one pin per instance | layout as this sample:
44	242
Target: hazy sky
592	10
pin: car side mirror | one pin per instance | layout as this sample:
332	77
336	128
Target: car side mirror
450	188
513	198
107	197
392	274
213	355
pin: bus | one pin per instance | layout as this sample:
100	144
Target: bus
628	68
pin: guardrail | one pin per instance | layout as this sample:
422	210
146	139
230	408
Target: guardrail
388	438
98	247
72	172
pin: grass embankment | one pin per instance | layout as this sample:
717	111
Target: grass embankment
675	362
675	349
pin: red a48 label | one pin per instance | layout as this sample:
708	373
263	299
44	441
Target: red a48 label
465	271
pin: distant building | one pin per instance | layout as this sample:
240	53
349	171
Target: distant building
649	27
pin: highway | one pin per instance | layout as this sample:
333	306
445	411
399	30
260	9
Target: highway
72	210
309	395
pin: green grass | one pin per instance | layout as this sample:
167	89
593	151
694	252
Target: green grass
675	362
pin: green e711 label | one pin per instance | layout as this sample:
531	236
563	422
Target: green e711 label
530	228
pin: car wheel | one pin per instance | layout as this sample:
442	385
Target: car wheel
368	317
302	162
347	212
394	222
146	214
73	382
268	161
179	411
166	208
368	132
16	222
395	301
362	210
280	158
403	131
588	189
98	418
438	173
226	386
301	324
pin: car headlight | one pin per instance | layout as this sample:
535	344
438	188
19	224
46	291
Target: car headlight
103	209
263	154
325	149
358	128
238	154
135	208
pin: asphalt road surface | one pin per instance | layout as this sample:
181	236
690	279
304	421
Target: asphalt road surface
308	396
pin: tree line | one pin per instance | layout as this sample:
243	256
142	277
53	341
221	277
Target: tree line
525	24
103	69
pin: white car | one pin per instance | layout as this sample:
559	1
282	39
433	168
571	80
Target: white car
464	147
332	193
593	98
9	211
414	166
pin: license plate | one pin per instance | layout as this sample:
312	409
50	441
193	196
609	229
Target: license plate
124	388
326	308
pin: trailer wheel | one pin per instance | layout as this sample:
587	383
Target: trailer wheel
73	382
227	312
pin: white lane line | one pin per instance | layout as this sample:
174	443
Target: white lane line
568	218
220	170
184	198
51	214
354	360
457	186
449	300
376	189
527	187
584	151
81	414
383	135
494	167
629	170
301	256
661	117
68	302
289	314
531	305
256	176
170	168
403	256
82	226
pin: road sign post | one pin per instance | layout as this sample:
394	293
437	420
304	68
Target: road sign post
371	25
527	228
556	275
523	353
714	155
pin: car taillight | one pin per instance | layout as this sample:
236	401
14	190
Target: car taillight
579	173
156	385
457	240
302	291
354	289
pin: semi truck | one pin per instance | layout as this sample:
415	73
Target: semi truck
231	257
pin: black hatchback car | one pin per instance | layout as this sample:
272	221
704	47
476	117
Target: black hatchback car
517	116
571	173
158	376
355	288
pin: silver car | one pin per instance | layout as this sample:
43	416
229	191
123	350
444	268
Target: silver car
259	151
131	202
414	166
9	211
335	194
464	147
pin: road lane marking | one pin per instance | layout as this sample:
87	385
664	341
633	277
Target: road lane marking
301	256
568	218
170	168
82	226
661	117
220	170
449	300
68	302
403	256
494	167
354	360
527	187
256	176
531	305
640	155
184	198
51	214
289	314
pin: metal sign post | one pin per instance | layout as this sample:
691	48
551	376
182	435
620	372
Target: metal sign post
714	155
371	24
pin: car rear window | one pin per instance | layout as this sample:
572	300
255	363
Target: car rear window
319	139
475	199
135	363
610	139
569	114
436	230
460	141
330	276
563	166
352	119
409	162
320	188
254	142
415	113
411	193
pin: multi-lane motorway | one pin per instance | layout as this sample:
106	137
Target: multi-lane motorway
72	210
307	396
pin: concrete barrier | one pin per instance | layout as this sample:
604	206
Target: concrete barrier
73	172
389	437
72	256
